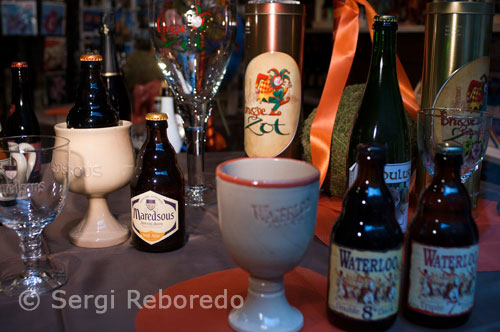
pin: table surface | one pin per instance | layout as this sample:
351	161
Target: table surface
118	271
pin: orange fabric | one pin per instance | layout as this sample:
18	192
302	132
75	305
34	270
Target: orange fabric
344	49
488	223
305	290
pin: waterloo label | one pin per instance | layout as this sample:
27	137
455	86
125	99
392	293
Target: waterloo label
397	177
364	285
272	104
154	217
442	280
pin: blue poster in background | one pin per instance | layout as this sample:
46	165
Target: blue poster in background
53	19
19	18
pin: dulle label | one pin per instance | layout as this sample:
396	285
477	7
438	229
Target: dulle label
154	217
272	104
397	177
442	280
364	285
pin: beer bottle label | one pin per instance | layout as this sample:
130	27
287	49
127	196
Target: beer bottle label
397	177
442	280
272	104
154	217
364	285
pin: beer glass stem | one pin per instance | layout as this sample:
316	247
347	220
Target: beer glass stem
195	123
31	253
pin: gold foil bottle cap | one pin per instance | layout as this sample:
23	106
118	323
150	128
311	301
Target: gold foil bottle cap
91	57
155	116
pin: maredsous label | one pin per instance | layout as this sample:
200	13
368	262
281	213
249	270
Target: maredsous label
272	104
154	217
442	280
364	285
397	177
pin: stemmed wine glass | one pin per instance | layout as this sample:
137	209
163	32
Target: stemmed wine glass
33	188
193	41
462	127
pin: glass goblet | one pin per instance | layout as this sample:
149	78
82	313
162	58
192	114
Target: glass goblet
193	41
33	189
462	127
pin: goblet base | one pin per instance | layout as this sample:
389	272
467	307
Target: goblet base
266	309
37	282
200	195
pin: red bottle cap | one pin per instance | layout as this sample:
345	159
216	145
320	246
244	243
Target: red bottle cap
91	57
19	65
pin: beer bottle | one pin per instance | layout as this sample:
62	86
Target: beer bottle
381	117
157	189
92	108
22	119
111	73
365	250
441	249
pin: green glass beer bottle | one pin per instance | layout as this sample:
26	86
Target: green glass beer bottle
381	117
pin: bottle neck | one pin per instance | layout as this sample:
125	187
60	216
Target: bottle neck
20	87
370	173
108	52
447	168
157	131
92	90
383	62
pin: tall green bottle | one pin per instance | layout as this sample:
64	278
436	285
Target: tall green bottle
381	117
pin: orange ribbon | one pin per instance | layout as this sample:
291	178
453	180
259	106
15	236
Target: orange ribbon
340	65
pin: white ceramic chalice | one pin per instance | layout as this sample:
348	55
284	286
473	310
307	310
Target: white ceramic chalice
267	214
101	161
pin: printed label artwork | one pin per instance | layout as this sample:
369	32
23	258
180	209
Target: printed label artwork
364	284
442	280
154	217
397	177
272	104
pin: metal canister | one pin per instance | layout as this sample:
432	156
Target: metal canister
457	48
456	61
274	42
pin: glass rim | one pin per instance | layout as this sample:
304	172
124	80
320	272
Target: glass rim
426	111
65	142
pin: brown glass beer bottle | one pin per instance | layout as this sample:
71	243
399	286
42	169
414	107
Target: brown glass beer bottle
441	249
92	108
365	250
157	190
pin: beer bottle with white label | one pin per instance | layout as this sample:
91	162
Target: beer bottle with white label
366	249
92	108
441	249
381	117
157	189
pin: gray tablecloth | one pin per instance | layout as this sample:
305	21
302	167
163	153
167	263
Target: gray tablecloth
114	272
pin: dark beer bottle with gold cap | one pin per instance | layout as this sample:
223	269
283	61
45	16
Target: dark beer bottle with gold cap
366	250
441	249
157	190
22	119
92	108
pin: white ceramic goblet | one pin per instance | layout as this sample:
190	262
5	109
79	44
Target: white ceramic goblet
101	161
267	214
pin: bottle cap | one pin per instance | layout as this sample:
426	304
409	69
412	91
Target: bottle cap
385	21
156	116
19	65
373	151
91	57
449	150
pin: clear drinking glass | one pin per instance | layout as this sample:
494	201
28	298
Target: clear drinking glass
467	128
193	41
33	189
